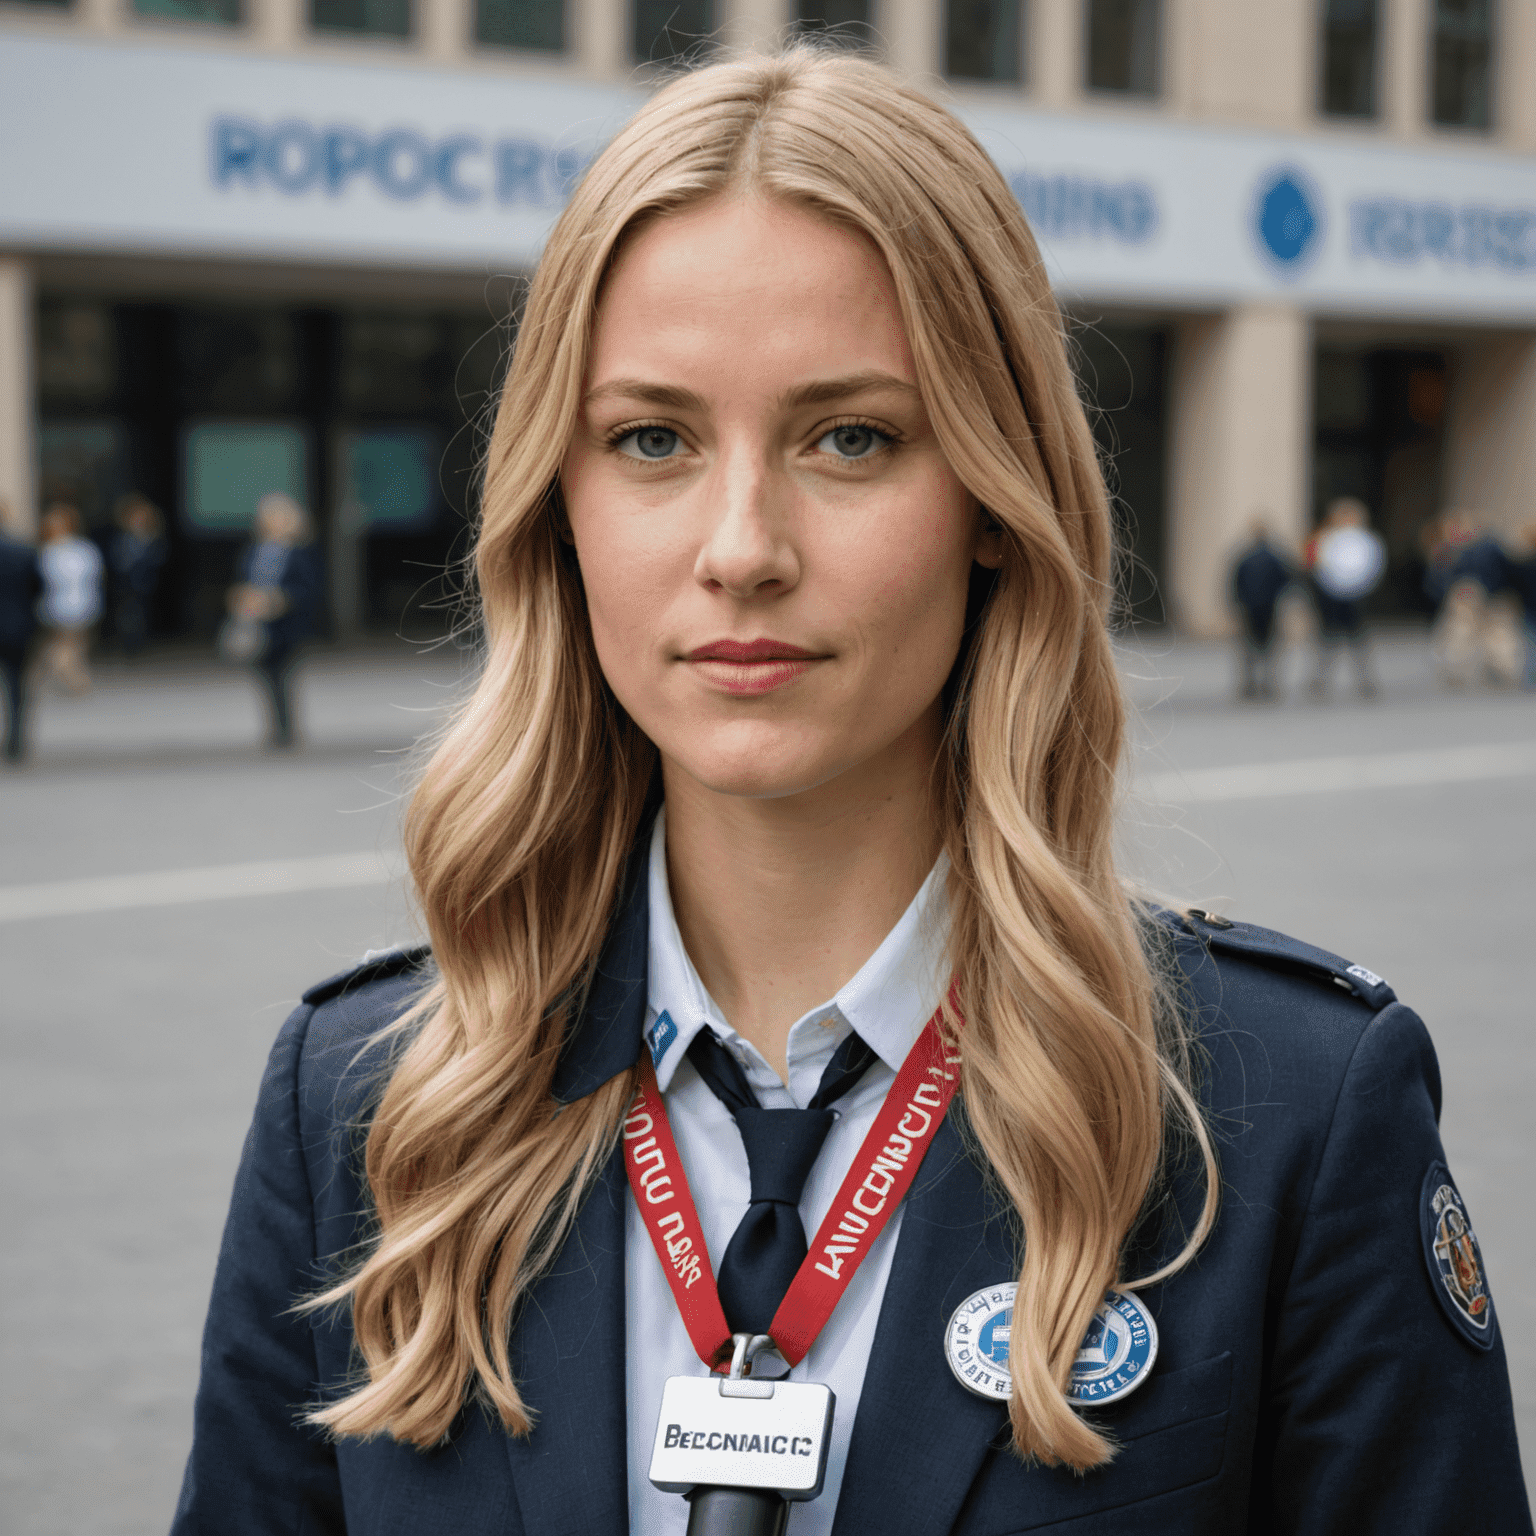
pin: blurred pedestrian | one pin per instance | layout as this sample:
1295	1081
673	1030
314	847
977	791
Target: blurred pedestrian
1443	539
20	586
1522	567
1347	559
138	551
1478	632
1259	575
272	607
72	570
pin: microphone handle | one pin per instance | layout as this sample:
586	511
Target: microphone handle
736	1512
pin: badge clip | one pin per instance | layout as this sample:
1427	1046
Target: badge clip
741	1451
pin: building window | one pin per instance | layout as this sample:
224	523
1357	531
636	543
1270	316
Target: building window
1347	82
665	30
1123	46
375	18
846	21
983	40
521	24
224	13
1461	63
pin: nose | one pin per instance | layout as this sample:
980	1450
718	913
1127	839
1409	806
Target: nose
747	551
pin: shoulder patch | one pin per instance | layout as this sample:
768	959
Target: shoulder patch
1455	1261
374	966
1271	948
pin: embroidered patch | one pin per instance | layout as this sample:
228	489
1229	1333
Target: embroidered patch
660	1035
1454	1258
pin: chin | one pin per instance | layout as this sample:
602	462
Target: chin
758	764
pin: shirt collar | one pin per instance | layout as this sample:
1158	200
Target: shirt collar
888	1001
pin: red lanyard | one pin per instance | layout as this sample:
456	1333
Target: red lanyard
881	1174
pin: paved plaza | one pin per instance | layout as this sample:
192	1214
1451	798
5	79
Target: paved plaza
167	889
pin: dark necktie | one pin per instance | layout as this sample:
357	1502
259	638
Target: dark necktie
768	1247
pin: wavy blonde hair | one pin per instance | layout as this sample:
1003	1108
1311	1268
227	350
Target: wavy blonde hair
521	826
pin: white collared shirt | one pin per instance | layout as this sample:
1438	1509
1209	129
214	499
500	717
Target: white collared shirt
888	1002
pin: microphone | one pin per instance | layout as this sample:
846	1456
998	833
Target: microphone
736	1512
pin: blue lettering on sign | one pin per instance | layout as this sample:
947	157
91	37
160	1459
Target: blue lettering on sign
1082	208
236	151
295	158
291	156
520	171
1401	232
445	168
346	156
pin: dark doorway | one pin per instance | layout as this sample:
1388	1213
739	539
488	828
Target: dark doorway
371	419
1378	420
1123	379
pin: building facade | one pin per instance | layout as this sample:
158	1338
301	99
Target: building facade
275	244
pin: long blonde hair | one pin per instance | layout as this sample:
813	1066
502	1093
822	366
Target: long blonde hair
521	826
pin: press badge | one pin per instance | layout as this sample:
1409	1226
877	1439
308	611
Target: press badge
743	1434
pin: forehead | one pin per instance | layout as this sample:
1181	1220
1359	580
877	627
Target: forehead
753	285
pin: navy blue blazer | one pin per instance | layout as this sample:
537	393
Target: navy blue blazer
1309	1379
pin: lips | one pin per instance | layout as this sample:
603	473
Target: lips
748	667
750	650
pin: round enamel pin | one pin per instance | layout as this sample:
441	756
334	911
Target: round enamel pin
1117	1353
1454	1258
976	1341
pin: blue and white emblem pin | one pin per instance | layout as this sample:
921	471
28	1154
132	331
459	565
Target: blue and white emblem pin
976	1341
1117	1354
662	1033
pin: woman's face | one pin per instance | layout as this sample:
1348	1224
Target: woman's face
775	551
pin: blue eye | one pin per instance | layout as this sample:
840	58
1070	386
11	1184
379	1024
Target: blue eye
649	443
853	442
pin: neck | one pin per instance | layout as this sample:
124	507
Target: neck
780	901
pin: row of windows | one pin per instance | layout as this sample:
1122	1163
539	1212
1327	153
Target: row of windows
1461	48
983	40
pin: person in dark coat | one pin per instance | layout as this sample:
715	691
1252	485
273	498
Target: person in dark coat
1259	575
278	590
137	555
20	587
796	1119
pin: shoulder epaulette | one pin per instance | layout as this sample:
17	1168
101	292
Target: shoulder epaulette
374	966
1285	953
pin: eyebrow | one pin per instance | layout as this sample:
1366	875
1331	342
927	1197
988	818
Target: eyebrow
668	396
817	392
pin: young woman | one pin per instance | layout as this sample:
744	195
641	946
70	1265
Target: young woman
782	810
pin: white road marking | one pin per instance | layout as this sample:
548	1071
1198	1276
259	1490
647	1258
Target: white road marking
179	887
346	871
1333	775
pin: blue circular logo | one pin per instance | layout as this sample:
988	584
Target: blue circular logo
976	1341
1117	1352
1288	219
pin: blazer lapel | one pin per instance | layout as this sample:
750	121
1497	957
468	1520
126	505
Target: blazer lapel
920	1437
568	1350
568	1344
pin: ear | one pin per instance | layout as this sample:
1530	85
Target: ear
559	516
990	535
